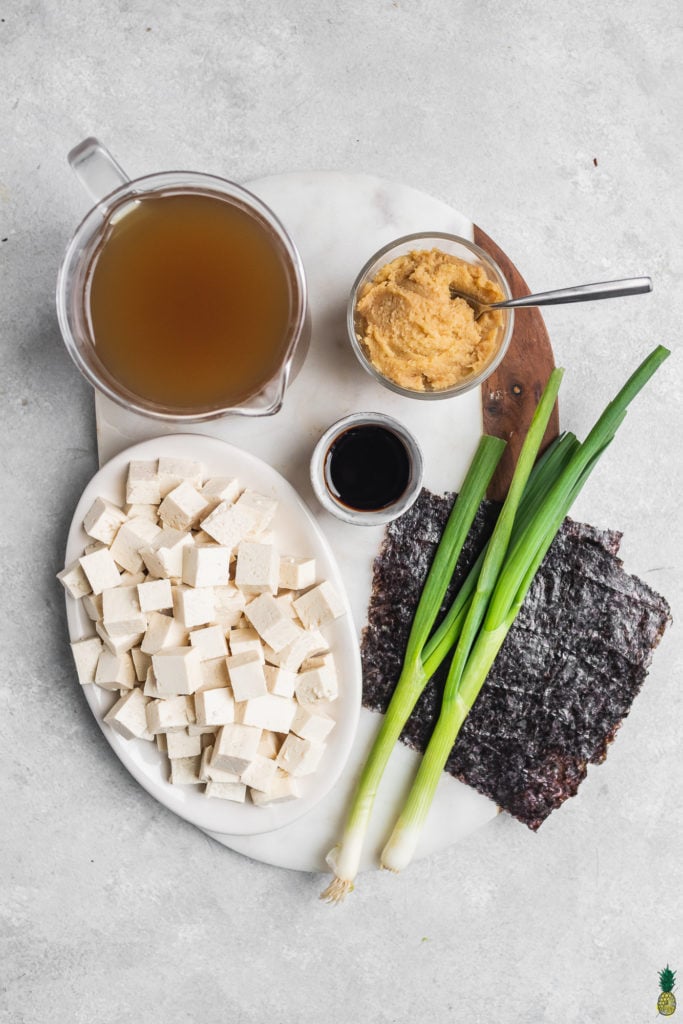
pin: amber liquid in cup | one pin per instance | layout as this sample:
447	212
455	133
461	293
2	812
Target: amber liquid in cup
188	300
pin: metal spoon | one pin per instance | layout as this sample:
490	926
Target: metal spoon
582	293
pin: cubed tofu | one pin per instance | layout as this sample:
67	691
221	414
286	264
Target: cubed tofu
271	623
185	770
214	707
86	654
285	603
92	604
75	581
142	662
206	565
235	791
164	556
235	747
131	537
291	657
283	787
229	605
181	744
311	724
211	774
117	644
280	681
260	773
174	471
103	520
228	525
121	613
128	716
210	642
299	757
262	507
214	674
182	507
320	605
131	579
139	511
100	570
268	712
315	685
296	573
155	595
258	567
167	715
150	688
142	483
246	676
219	489
269	745
193	607
163	631
115	671
177	670
245	641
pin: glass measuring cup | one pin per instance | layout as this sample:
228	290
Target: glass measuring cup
113	192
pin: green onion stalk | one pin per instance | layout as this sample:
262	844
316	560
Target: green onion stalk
513	561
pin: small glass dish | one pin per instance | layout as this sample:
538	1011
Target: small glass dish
455	246
322	483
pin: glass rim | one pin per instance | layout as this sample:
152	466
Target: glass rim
456	389
213	184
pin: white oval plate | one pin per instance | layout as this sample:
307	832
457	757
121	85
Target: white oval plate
297	533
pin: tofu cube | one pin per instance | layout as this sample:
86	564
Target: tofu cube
320	605
177	670
245	641
181	744
228	525
258	567
86	655
262	507
162	631
128	717
142	663
209	774
117	644
115	671
164	556
214	675
236	791
214	707
92	603
121	613
280	681
185	770
260	773
132	536
306	645
138	511
173	471
283	787
246	676
142	483
269	745
131	579
167	715
268	712
206	565
100	570
210	642
75	581
270	622
150	688
155	595
296	573
229	605
315	685
235	748
103	520
182	507
193	607
311	724
299	757
285	603
220	489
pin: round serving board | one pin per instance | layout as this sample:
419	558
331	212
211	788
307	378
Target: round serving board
337	221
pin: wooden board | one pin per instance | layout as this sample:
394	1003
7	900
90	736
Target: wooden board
510	395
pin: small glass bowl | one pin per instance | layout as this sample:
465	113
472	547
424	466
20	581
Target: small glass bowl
455	246
361	517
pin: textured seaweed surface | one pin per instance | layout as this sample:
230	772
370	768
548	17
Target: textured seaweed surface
564	679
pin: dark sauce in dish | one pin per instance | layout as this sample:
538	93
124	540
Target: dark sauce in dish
367	468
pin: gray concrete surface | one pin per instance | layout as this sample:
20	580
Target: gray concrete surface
556	127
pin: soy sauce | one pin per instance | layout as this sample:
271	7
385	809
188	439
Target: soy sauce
367	468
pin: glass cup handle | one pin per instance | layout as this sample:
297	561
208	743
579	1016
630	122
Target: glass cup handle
97	170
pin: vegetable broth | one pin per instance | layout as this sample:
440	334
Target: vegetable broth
189	300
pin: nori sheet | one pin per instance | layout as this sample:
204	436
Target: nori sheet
563	681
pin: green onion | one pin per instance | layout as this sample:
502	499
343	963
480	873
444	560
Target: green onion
496	602
345	858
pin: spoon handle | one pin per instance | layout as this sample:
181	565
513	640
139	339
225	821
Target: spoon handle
582	293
